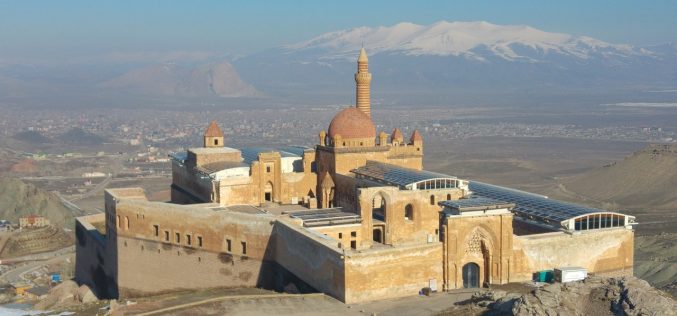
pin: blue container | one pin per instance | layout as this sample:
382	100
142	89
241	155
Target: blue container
545	276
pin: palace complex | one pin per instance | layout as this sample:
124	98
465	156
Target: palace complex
355	217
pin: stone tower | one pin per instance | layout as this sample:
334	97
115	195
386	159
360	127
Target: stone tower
363	80
213	136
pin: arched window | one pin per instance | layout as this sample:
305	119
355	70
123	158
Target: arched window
126	222
448	197
432	200
379	207
117	221
409	212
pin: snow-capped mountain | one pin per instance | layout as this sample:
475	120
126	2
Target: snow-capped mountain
460	55
461	39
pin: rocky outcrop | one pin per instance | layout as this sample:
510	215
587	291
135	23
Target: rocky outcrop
66	294
594	296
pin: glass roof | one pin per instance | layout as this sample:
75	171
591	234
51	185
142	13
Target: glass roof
480	203
324	217
250	154
533	205
395	175
179	156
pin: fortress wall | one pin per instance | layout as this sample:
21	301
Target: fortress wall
312	257
150	264
391	272
607	252
93	264
187	181
151	267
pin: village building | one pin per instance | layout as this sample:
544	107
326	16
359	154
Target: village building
33	221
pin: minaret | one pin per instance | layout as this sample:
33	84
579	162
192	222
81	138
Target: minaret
363	79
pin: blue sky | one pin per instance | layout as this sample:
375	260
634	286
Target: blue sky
64	29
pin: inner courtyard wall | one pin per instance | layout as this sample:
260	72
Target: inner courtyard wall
311	256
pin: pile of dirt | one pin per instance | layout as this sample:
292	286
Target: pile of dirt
18	199
647	177
36	240
594	296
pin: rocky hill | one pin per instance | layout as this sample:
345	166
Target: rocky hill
215	79
20	199
647	178
656	260
78	136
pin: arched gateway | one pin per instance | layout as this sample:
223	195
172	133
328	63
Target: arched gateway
471	275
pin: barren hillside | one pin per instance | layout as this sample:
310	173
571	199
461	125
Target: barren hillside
19	199
647	178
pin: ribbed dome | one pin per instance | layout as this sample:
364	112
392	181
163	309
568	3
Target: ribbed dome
352	123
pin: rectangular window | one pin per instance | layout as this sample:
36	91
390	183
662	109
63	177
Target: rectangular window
353	244
199	241
353	234
188	240
157	230
340	235
244	247
268	169
178	237
229	245
166	235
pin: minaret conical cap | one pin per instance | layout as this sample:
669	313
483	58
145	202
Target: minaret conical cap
363	56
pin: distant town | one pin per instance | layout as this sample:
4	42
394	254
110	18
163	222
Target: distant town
181	129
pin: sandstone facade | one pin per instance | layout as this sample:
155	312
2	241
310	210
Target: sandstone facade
356	217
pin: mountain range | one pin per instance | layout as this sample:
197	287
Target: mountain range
441	58
462	56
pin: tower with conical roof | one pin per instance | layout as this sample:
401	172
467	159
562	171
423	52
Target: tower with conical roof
213	136
363	81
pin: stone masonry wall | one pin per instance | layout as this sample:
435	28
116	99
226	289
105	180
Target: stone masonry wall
607	251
